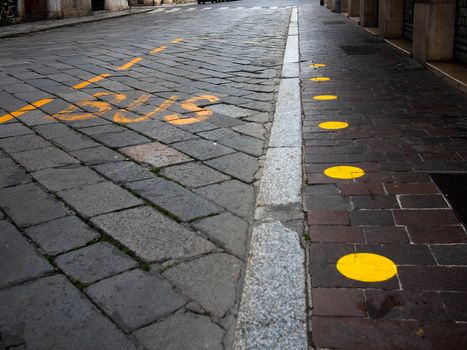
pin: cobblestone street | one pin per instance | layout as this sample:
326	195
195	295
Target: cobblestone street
242	175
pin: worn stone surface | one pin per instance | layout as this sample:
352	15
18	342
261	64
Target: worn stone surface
23	143
183	331
135	298
94	262
18	259
11	174
155	154
228	229
234	195
60	235
209	280
152	236
202	149
29	204
57	316
232	111
99	198
43	158
238	165
65	178
97	155
174	198
194	174
123	172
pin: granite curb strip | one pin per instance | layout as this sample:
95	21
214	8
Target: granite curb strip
273	306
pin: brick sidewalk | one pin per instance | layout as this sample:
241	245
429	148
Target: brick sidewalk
403	125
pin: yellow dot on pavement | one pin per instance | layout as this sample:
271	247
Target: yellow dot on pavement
320	79
317	65
366	267
344	172
325	97
333	125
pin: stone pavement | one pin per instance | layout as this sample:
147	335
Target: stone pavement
130	154
398	125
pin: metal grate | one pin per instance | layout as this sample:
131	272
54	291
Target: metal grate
360	50
454	188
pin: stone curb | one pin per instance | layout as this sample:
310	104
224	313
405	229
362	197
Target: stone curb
272	312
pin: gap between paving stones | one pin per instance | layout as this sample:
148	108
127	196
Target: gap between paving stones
272	312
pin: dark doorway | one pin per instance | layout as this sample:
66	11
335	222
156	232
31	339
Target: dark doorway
454	188
35	10
98	5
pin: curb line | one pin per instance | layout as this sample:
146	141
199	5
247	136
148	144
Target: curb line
272	311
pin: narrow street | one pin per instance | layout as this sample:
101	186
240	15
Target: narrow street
249	174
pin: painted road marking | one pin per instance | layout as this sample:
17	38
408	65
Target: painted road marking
25	109
176	41
333	125
316	65
202	114
320	79
157	50
206	8
325	97
366	267
90	81
130	64
273	7
156	11
223	8
344	172
173	10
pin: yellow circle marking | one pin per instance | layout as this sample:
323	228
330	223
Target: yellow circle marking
344	172
325	97
320	79
317	65
366	267
333	125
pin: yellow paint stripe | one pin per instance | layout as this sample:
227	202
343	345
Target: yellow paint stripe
157	50
176	41
130	64
320	79
25	109
90	81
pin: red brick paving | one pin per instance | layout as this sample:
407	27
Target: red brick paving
404	124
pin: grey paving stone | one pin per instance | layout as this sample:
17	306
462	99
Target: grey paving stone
210	280
61	235
194	174
67	177
202	149
37	117
94	262
232	111
224	121
2	215
19	261
29	205
23	143
161	131
217	134
155	154
57	316
74	142
99	199
227	229
123	172
185	331
121	139
233	195
152	236
98	155
245	144
11	174
135	298
174	198
53	131
13	129
239	165
49	157
252	129
101	129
